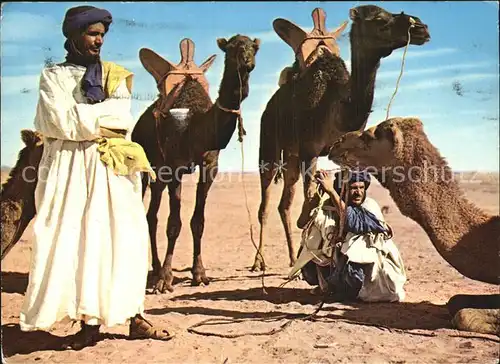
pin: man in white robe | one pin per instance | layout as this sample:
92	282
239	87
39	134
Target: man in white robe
90	250
366	262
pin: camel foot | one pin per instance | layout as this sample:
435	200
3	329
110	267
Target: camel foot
200	278
164	282
292	262
485	321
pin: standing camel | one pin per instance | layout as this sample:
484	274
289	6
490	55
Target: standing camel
318	101
176	148
399	154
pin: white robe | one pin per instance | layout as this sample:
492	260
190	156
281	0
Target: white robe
90	249
384	282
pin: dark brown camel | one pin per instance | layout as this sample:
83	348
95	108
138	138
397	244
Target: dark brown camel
18	192
319	102
176	149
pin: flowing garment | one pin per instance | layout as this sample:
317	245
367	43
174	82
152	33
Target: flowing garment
90	251
383	273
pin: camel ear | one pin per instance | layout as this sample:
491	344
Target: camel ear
393	134
222	43
208	63
155	64
336	33
256	44
353	14
289	32
31	138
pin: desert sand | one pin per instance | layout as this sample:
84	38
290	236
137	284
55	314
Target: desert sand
415	331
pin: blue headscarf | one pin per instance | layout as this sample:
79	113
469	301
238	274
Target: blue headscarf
358	219
77	19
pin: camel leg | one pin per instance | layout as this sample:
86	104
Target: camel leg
481	320
207	176
291	174
174	225
476	313
266	178
311	198
152	217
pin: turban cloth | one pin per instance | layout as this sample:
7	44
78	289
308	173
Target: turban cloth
82	16
77	19
354	176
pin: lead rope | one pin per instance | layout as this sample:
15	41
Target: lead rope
241	133
412	24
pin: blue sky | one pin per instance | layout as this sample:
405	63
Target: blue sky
463	48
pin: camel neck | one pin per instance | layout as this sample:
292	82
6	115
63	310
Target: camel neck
364	68
233	88
427	191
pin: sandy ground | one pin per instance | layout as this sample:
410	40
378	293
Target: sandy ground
416	331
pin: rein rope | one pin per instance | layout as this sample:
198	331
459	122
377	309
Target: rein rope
412	24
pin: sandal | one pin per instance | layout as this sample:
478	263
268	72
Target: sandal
140	328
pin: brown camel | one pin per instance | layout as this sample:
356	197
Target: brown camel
399	154
18	192
177	148
320	101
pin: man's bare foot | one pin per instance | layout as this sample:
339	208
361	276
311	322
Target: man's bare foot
140	328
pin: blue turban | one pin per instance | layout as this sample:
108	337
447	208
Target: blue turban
77	19
80	17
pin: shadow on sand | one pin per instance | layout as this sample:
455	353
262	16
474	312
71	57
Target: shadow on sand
14	282
15	341
403	315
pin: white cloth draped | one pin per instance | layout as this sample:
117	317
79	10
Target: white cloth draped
90	249
384	281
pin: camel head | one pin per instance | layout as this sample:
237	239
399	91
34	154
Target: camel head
378	31
308	47
167	75
380	145
240	52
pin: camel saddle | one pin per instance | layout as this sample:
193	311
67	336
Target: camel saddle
170	79
305	44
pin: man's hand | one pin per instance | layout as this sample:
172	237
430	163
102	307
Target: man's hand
324	181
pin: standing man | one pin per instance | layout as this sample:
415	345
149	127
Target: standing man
90	250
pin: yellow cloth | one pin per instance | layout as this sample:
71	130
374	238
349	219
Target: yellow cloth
113	74
124	157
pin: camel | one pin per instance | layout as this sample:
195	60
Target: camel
178	147
399	154
18	192
319	101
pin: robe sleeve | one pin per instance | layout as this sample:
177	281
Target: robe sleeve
59	116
